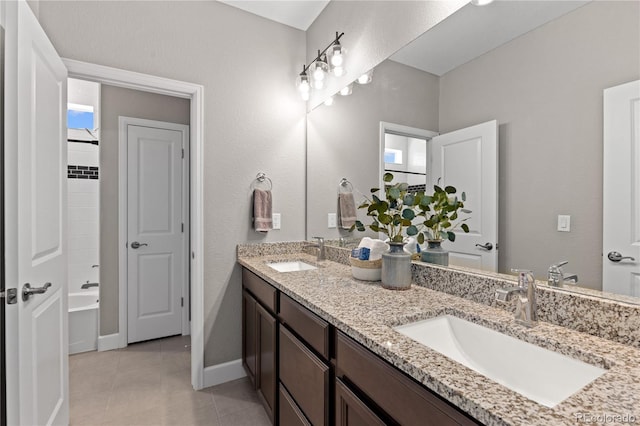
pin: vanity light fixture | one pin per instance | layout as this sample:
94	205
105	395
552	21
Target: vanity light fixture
347	90
319	68
365	78
329	101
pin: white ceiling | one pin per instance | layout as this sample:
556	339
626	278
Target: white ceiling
298	14
474	30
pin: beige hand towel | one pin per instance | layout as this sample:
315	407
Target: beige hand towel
262	221
347	209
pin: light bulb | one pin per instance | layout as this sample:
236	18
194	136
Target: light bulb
481	2
304	86
304	96
337	59
329	101
338	71
347	90
318	74
318	84
365	78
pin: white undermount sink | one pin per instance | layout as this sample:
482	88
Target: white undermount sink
293	266
539	374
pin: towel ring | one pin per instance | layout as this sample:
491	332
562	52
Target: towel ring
345	185
261	178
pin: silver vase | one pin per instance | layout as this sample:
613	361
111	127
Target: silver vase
396	268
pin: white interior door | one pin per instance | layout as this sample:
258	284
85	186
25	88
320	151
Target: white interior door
468	160
35	167
156	237
621	190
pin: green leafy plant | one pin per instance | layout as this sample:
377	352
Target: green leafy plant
440	212
392	213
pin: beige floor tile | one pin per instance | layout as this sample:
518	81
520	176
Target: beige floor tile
233	397
255	416
150	384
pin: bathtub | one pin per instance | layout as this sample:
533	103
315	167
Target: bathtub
83	321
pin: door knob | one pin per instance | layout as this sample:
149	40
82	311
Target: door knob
28	291
136	245
614	256
486	246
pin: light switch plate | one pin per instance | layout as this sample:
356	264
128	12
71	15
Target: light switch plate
331	220
276	219
564	223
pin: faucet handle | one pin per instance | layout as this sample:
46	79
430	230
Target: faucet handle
320	239
525	277
556	266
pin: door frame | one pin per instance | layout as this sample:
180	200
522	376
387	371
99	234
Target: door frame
399	129
195	93
123	209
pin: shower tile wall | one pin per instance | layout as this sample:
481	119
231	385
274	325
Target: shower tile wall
83	206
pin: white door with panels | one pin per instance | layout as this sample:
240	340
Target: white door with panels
35	223
621	190
156	234
468	160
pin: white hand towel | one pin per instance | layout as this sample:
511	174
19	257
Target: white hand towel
262	221
346	210
377	247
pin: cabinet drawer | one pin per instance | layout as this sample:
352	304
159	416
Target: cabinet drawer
313	330
290	414
351	411
305	377
400	397
264	292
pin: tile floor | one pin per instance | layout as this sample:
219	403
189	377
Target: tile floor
149	383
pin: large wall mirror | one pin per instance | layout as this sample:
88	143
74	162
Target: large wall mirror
543	84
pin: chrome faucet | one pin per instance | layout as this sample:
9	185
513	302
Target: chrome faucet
320	246
89	285
557	277
526	306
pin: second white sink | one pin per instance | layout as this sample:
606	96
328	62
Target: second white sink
293	266
539	374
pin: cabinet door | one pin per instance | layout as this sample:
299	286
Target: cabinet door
249	353
351	411
266	381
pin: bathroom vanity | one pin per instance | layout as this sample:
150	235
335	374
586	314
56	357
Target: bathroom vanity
321	348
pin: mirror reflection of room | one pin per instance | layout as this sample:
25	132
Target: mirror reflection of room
544	86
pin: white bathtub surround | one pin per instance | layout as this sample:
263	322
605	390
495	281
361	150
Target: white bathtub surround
83	221
83	321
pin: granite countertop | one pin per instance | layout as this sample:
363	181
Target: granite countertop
367	312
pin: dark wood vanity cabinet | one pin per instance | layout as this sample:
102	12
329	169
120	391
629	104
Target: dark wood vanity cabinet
259	339
389	391
307	373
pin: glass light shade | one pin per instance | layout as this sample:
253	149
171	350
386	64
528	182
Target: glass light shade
337	55
317	84
303	86
329	101
347	90
304	96
365	78
481	2
338	71
320	68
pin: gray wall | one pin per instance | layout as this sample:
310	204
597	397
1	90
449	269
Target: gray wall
374	30
344	139
545	90
254	120
116	102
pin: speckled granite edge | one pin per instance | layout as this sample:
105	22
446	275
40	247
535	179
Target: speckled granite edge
366	312
263	249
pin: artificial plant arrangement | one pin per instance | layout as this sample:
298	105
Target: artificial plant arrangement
440	212
392	213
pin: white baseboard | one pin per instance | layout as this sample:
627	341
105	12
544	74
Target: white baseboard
221	373
109	342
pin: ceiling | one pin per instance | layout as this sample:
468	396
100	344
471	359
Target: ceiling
463	36
298	14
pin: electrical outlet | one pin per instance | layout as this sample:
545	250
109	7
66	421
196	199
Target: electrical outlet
564	223
331	221
276	219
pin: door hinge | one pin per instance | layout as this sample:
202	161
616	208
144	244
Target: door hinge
11	294
182	301
183	227
182	152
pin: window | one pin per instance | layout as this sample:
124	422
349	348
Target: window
392	156
80	116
